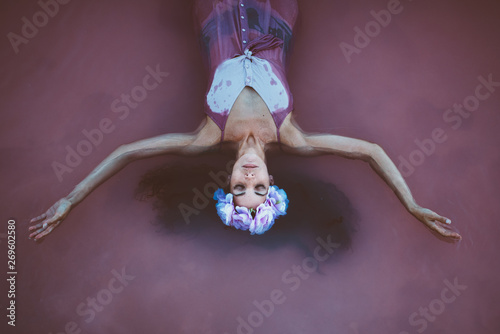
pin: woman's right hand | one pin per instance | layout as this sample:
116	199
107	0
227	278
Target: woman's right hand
47	222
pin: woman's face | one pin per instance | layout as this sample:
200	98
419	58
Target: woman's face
250	181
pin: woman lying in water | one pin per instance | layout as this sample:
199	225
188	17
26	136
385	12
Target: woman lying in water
245	46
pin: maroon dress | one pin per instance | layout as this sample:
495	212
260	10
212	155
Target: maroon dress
246	43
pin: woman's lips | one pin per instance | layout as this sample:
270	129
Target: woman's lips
250	166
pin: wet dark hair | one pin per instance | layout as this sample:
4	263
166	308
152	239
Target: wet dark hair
182	197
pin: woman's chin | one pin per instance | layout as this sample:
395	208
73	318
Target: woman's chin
250	159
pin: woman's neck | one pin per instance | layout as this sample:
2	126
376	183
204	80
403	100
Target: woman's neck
251	144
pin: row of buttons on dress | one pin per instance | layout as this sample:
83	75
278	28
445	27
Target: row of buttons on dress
242	17
247	61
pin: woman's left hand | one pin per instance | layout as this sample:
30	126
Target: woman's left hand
435	222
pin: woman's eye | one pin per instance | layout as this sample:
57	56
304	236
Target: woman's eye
260	187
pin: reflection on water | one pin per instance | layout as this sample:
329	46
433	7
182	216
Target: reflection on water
316	208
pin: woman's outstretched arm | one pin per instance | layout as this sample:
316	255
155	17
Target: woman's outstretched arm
298	142
202	140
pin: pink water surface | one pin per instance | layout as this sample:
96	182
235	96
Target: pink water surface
201	278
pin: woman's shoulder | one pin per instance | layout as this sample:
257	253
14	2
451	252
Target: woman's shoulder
291	135
208	133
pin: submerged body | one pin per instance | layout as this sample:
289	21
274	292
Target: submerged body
250	117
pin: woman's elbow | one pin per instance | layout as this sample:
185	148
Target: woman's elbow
374	151
124	153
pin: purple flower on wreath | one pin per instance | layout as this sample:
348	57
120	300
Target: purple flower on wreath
257	221
225	206
277	200
264	219
242	218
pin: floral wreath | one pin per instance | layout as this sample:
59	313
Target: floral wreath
257	221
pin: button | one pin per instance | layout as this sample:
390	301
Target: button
243	29
242	17
242	5
245	42
247	66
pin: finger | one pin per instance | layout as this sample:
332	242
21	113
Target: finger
44	233
49	221
439	218
42	216
451	234
446	233
36	232
444	220
54	219
39	225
